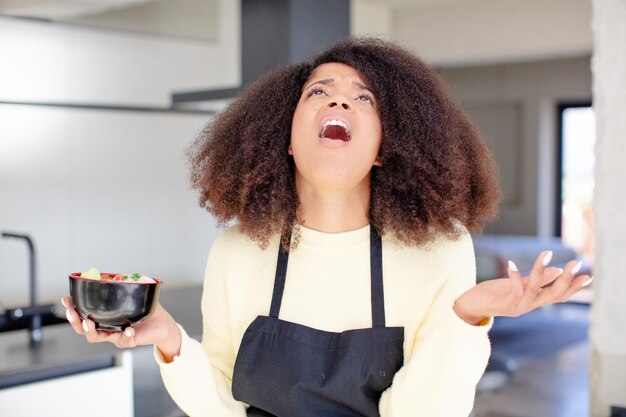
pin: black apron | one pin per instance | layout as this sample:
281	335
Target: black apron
285	369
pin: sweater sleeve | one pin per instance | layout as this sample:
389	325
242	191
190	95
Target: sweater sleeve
200	378
448	356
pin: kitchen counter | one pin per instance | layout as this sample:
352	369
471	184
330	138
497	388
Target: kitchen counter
183	303
63	352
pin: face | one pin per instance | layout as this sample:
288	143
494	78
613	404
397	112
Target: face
336	130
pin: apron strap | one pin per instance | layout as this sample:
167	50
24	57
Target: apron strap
376	271
279	280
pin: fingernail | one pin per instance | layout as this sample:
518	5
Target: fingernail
577	267
560	270
128	333
63	302
587	282
69	316
512	266
547	258
85	327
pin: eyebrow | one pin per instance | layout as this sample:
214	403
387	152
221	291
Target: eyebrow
327	81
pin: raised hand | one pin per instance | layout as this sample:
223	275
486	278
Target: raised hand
519	294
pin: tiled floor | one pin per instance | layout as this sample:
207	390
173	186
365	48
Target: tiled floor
554	385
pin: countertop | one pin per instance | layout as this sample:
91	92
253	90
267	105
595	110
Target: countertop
63	352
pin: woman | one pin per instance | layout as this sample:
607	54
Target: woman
347	287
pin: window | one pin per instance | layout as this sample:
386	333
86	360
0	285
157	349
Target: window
575	222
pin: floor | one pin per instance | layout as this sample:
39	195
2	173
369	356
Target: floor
549	384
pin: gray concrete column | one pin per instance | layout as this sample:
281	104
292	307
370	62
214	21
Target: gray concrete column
608	314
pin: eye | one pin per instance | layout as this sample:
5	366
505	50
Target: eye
366	98
315	91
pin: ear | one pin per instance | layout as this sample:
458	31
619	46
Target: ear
289	150
377	162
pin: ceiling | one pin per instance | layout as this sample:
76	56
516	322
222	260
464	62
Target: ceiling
63	9
190	19
66	9
413	3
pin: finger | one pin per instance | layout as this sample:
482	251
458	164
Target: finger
577	284
556	292
92	335
517	286
126	338
543	260
67	302
89	330
561	287
119	339
536	273
74	319
123	339
572	268
550	275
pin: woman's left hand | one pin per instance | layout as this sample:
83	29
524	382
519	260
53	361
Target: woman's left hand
519	294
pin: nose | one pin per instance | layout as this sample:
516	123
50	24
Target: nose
339	102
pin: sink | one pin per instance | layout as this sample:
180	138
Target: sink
20	318
33	316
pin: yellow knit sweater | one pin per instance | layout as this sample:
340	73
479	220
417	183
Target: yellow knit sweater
328	288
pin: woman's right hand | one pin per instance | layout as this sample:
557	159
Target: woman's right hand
159	329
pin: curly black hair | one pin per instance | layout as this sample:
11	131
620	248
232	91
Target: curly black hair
436	168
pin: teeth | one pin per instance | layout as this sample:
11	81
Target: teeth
334	122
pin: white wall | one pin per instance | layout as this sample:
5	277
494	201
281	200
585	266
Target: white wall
528	158
65	63
451	33
98	188
368	18
188	18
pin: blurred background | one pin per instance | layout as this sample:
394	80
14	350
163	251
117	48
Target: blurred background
99	100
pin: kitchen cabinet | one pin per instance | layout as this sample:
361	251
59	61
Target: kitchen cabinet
102	392
64	376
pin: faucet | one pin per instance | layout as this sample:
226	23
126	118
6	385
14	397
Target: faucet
34	311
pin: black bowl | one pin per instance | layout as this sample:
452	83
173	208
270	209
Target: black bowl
113	305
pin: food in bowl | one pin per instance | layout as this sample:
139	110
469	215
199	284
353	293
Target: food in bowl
93	273
113	301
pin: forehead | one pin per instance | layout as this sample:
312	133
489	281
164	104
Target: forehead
335	70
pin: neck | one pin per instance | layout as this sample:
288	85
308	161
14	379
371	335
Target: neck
333	211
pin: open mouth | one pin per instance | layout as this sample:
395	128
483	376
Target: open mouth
336	130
